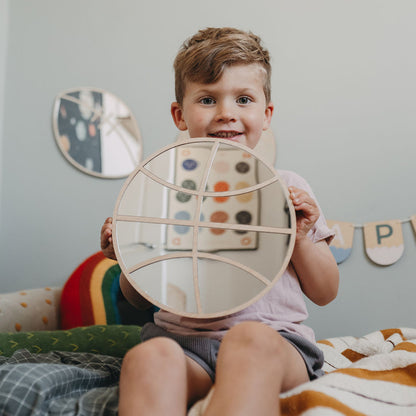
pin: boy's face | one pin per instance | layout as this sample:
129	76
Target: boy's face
233	108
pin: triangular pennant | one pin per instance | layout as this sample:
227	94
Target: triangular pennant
384	241
341	245
413	221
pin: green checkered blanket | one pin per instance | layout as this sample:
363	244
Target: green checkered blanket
59	383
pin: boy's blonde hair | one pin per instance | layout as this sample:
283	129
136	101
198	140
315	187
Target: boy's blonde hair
203	57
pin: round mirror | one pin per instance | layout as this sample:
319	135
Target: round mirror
203	228
266	146
96	132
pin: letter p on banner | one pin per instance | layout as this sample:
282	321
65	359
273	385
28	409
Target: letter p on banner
384	241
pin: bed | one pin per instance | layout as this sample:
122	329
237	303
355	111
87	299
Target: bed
370	375
61	351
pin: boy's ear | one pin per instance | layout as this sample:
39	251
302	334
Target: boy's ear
268	113
177	115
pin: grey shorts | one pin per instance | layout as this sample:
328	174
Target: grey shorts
204	350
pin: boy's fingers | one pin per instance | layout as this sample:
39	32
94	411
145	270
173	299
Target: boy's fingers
298	195
106	237
104	244
107	224
303	200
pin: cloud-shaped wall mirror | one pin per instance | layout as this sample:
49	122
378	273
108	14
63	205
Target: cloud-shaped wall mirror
203	228
96	132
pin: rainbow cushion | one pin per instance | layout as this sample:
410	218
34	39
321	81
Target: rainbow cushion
92	296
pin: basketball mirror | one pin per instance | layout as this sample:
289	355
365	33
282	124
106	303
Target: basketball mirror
203	228
96	132
265	148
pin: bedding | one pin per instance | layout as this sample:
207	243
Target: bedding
30	310
113	340
59	383
370	375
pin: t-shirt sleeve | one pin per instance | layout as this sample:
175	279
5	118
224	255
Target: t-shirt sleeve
320	231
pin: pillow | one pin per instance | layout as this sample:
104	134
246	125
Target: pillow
30	310
92	296
114	340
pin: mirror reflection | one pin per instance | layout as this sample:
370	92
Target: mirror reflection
203	228
265	148
97	132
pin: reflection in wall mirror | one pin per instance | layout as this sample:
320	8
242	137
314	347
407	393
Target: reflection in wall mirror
203	228
97	132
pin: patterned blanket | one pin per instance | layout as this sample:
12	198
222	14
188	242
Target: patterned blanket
58	383
371	375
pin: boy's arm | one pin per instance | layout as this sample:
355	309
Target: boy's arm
314	263
132	296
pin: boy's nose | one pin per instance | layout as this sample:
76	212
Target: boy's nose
225	113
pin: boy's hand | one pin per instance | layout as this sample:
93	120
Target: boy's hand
107	239
307	212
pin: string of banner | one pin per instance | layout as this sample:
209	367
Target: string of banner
383	240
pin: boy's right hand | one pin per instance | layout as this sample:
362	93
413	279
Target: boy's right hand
107	239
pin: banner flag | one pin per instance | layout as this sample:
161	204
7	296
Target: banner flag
341	245
384	241
413	221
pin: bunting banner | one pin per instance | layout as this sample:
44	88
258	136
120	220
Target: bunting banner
383	240
341	245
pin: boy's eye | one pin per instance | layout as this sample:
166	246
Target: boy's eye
244	100
207	101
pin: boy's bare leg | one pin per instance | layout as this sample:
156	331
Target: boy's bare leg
254	365
157	378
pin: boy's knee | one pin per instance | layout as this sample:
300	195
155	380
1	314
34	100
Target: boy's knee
255	338
250	332
154	353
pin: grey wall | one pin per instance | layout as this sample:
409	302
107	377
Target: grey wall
4	20
343	86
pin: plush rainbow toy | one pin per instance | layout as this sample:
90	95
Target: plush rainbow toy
92	296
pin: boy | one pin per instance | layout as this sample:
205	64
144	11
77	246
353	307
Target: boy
223	90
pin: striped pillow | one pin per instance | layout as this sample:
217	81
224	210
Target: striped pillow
92	296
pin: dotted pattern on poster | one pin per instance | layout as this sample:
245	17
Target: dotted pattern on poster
232	170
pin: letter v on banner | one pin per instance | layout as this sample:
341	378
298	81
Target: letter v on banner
384	241
341	245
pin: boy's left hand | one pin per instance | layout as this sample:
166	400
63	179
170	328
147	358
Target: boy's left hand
307	212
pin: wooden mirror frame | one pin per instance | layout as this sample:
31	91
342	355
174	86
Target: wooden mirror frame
194	254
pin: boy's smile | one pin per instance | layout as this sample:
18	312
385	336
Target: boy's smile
232	108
